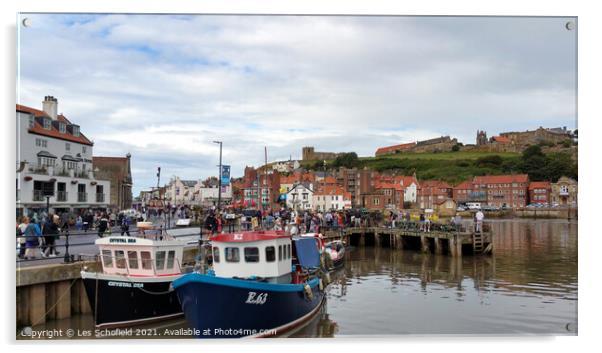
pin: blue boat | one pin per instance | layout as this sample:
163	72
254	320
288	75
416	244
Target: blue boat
262	284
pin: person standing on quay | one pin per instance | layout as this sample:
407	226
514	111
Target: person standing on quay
479	217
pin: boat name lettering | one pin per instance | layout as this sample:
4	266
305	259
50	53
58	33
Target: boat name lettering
125	284
120	240
258	299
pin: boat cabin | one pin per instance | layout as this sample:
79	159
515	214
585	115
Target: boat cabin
264	254
142	257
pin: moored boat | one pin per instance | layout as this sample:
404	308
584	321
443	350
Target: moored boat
336	251
134	285
263	283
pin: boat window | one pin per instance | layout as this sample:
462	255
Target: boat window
133	259
160	260
270	254
147	262
171	255
215	254
119	259
232	255
279	252
252	254
288	251
107	258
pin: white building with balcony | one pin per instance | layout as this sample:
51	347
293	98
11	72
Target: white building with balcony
300	197
54	163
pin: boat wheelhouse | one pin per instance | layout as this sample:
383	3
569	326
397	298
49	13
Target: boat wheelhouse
134	283
266	255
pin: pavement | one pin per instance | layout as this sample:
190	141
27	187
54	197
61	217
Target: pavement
82	243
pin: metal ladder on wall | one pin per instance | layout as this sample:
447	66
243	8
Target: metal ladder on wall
477	242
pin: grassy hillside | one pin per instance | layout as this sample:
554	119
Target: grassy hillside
445	155
452	167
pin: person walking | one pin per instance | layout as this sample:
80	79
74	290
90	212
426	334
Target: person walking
103	225
211	223
32	235
125	225
479	217
51	232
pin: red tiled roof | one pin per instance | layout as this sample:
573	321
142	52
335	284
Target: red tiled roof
401	147
385	185
501	179
53	132
331	190
464	185
405	180
540	185
501	139
329	180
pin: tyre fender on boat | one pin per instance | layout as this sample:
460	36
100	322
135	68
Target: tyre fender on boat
308	292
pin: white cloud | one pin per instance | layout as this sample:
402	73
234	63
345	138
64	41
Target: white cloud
164	87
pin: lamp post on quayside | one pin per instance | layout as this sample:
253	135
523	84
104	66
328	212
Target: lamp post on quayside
219	176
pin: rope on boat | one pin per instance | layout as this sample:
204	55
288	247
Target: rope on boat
68	290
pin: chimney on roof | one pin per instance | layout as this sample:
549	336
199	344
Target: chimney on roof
50	106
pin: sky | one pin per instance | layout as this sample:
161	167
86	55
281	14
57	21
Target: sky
164	87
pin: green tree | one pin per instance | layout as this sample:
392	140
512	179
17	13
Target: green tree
347	160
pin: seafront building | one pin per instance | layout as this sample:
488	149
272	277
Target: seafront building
55	164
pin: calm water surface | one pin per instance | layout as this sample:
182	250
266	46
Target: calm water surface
529	286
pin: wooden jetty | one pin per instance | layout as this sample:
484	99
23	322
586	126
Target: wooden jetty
443	241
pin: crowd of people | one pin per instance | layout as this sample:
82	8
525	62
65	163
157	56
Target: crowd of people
37	235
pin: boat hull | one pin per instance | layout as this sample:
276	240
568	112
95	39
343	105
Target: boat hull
229	308
118	302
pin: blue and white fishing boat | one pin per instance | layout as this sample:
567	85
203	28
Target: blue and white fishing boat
263	283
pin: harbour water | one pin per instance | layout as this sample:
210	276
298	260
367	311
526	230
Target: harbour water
529	286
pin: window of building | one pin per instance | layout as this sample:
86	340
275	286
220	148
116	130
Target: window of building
252	254
171	255
47	123
270	254
147	261
32	121
62	128
75	130
67	146
133	259
232	255
216	254
84	149
41	143
160	260
375	201
107	259
119	259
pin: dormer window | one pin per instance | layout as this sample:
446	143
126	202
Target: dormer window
62	128
75	130
32	121
47	123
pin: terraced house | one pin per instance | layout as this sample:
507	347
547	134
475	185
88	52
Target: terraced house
54	163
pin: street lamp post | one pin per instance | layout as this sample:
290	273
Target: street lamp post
219	176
